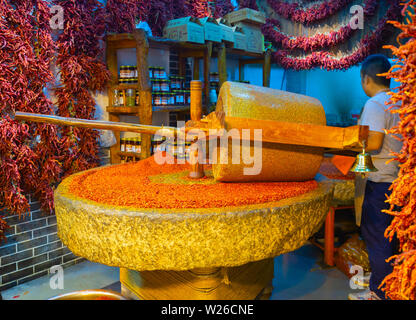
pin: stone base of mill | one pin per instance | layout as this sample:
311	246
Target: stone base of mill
247	282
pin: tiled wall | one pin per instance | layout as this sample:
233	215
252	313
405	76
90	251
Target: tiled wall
32	248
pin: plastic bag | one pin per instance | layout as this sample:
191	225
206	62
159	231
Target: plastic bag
107	139
352	253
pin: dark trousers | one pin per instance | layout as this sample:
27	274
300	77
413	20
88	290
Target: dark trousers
373	225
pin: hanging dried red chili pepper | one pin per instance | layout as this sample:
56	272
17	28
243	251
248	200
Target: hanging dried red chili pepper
29	153
82	72
401	283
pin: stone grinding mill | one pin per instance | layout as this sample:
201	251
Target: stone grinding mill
171	246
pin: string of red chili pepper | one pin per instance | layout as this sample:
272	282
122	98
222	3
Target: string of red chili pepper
272	31
197	8
252	4
29	153
122	14
82	72
368	45
297	13
401	283
222	7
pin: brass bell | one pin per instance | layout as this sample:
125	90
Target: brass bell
363	164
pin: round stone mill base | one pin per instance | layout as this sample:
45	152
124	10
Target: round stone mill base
247	282
199	252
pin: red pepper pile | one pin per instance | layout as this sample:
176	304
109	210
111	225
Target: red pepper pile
401	283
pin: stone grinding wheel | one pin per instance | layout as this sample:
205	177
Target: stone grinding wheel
279	162
185	239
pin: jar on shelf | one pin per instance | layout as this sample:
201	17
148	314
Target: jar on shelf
131	71
155	85
121	99
151	71
187	97
181	83
164	85
171	98
156	73
162	73
173	82
175	94
164	99
116	98
138	145
135	72
123	145
137	98
157	99
130	97
129	146
124	72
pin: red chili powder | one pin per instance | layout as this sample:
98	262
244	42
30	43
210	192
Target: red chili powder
131	185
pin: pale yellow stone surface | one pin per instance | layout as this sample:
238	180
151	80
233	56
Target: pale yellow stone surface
143	239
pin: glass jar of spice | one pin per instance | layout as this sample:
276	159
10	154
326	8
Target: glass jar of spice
137	98
155	85
124	72
164	85
130	97
121	99
158	99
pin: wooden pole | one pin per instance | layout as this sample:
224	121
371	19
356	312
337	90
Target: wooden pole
95	124
222	64
272	131
113	68
207	64
267	68
145	91
197	171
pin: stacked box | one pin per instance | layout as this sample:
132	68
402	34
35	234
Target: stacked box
250	21
227	32
186	29
212	29
240	42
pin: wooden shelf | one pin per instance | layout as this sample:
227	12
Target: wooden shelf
135	110
129	154
125	86
171	108
123	110
198	52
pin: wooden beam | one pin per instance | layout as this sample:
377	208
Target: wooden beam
300	133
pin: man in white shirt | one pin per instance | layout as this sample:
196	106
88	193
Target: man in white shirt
373	221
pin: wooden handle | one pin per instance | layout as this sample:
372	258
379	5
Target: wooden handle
197	171
95	124
196	100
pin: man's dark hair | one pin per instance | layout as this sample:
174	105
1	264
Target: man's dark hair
374	65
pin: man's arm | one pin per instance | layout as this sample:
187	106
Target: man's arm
374	142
